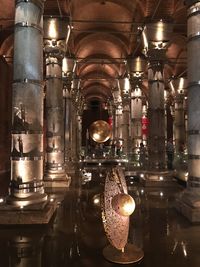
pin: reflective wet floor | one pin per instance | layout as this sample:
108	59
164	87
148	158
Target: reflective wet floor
75	235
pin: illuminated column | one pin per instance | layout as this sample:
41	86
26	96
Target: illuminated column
118	121
178	87
55	32
68	68
136	118
193	96
156	36
74	125
156	114
188	202
137	66
124	85
125	126
26	185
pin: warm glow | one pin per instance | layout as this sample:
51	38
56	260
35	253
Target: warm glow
181	85
145	39
160	31
126	85
52	29
123	204
137	92
96	199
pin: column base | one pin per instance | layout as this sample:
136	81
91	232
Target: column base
188	204
37	214
56	178
157	178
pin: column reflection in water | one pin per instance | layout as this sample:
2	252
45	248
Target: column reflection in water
22	247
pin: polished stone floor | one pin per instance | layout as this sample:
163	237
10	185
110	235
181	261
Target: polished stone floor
75	235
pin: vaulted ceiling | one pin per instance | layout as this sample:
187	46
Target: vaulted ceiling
104	34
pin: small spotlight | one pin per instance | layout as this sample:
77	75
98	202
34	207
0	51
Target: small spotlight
51	199
99	163
142	175
161	178
21	207
161	194
1	200
119	164
142	191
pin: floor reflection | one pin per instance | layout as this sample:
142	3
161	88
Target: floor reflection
75	236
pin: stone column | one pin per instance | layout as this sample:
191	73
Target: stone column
118	122
73	133
55	32
26	185
125	126
79	135
178	87
67	117
189	203
68	68
179	121
136	119
156	115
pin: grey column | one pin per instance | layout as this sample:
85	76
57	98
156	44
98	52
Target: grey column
55	32
118	120
193	95
179	121
67	117
26	185
79	135
125	126
136	119
156	114
73	133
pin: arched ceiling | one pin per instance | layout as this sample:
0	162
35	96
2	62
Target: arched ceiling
104	33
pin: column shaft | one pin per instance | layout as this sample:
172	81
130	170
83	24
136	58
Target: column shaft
27	106
125	126
156	114
136	123
179	122
193	95
55	118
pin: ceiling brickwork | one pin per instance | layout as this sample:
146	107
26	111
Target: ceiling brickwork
104	34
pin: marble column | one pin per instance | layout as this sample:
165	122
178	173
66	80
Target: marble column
26	185
67	117
79	135
68	69
125	126
136	119
189	202
179	87
118	122
179	121
156	115
74	125
125	88
55	32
